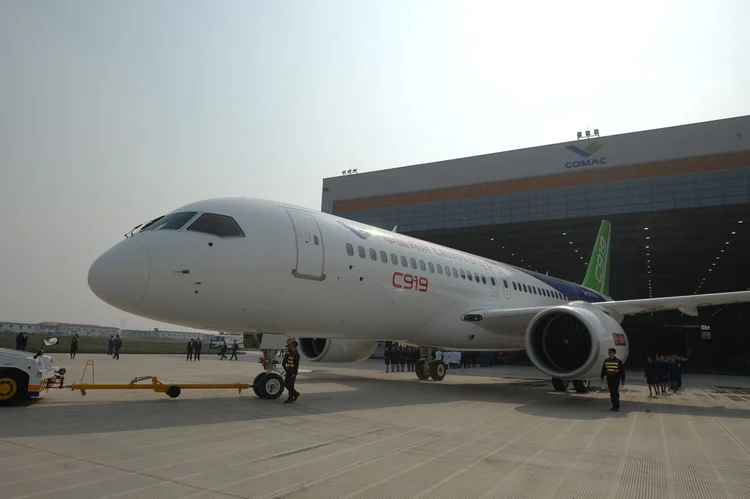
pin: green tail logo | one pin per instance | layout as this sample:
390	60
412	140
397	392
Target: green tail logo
597	274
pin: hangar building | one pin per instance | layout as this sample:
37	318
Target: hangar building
677	198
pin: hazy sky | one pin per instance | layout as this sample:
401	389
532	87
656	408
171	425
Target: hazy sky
112	113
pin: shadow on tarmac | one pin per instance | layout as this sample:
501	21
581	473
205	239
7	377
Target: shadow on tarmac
49	417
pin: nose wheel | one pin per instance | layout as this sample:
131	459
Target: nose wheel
268	385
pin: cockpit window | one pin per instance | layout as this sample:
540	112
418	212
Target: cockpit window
173	221
217	225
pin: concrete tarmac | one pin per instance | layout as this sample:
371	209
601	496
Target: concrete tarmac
357	432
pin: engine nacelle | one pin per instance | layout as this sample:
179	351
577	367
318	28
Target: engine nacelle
571	341
336	351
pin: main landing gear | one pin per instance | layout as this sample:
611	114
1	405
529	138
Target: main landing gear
427	368
581	386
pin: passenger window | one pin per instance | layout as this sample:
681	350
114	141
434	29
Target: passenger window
514	286
463	274
505	283
173	221
484	279
469	273
492	280
361	252
384	256
349	249
440	269
394	259
431	266
315	240
422	265
216	225
373	255
413	263
476	277
455	272
404	263
525	289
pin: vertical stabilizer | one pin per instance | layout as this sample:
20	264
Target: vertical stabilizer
597	274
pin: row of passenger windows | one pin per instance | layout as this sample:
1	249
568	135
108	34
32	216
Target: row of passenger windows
414	264
551	293
208	223
448	271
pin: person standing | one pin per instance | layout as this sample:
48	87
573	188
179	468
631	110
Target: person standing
615	373
74	346
223	350
190	350
653	389
290	363
21	341
116	346
111	345
197	348
235	347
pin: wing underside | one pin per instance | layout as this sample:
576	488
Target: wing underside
502	320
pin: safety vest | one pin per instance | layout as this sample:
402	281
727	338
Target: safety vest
290	361
612	367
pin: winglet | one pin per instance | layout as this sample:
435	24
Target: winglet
394	228
597	274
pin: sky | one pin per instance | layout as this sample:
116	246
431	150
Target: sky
113	113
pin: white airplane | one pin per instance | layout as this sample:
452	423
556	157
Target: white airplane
338	286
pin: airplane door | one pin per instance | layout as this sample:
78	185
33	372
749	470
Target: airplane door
506	287
310	254
493	282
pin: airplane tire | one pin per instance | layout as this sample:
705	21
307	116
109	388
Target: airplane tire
560	385
582	386
437	370
256	383
422	369
271	386
14	386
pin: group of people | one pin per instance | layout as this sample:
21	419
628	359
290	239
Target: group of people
223	350
114	345
664	372
400	358
194	348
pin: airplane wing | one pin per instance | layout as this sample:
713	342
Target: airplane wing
503	319
685	304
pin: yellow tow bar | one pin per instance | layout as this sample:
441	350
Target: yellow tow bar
173	390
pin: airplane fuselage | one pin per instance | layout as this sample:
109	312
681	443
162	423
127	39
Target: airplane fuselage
310	274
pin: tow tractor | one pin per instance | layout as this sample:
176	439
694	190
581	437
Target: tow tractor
24	375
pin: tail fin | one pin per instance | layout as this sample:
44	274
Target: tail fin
597	275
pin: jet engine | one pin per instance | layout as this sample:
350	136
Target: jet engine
570	342
336	351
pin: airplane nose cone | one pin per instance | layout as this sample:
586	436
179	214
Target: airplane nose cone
120	276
